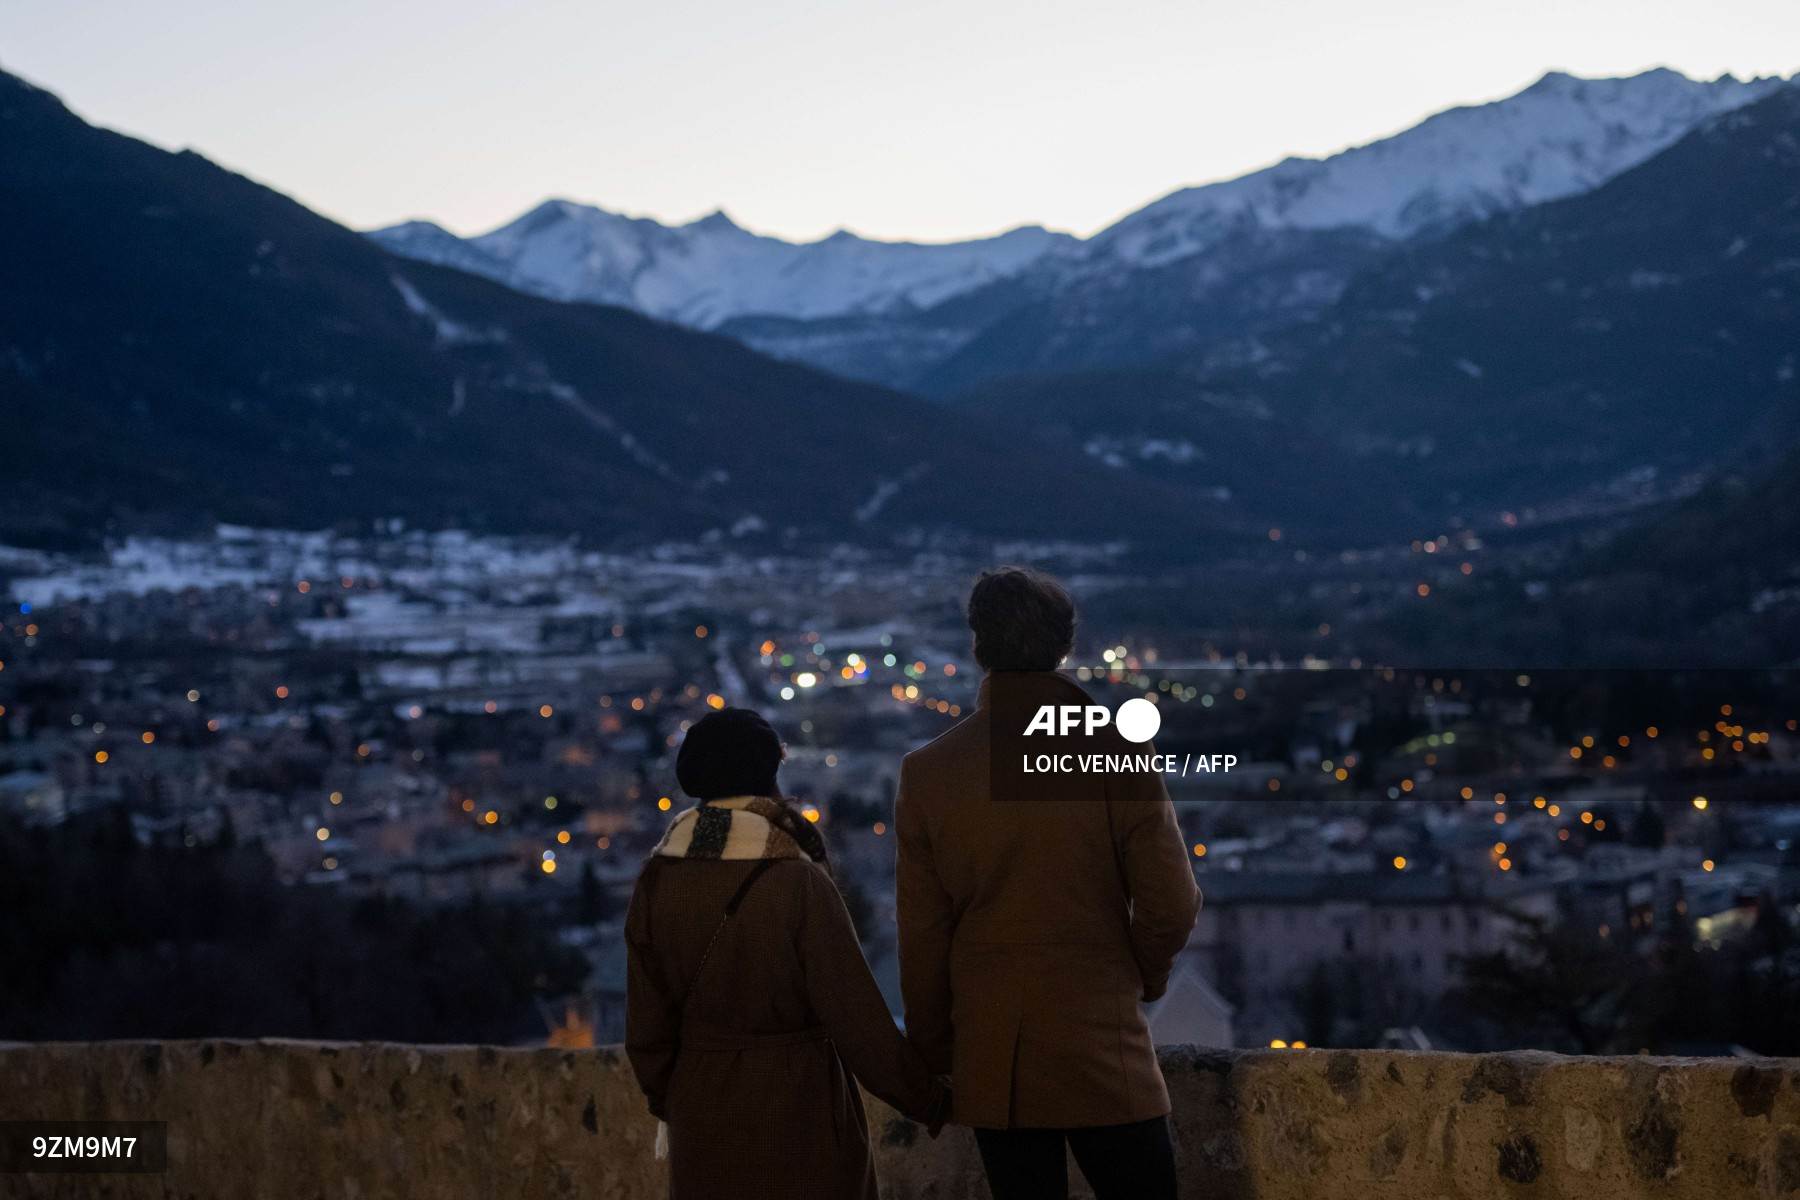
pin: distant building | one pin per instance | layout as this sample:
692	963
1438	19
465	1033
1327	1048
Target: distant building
1191	1012
1259	934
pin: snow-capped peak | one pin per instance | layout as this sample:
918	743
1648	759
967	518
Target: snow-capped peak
1561	136
711	270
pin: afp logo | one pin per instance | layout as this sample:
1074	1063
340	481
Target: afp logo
1137	721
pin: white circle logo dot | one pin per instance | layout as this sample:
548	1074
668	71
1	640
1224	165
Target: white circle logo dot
1138	720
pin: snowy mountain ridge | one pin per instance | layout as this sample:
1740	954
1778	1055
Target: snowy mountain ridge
1562	136
711	270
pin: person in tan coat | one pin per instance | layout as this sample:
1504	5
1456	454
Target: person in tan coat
1032	930
751	1015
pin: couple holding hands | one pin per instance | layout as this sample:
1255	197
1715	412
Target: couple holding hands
1030	936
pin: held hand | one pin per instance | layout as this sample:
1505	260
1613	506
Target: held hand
938	1111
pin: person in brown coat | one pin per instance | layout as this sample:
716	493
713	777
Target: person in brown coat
1031	931
751	1014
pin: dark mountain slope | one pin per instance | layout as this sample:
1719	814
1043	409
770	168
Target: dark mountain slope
1651	323
1252	281
1712	580
1641	331
178	341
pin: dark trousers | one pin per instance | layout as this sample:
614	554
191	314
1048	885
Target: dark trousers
1121	1162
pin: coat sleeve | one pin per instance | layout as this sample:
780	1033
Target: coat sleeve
1165	901
652	1014
927	919
844	996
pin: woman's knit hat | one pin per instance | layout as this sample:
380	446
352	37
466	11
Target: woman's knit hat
732	752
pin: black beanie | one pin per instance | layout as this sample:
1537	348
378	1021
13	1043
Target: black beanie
732	752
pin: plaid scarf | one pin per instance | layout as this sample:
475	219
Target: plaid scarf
740	828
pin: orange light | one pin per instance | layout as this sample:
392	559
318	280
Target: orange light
281	693
100	756
146	737
880	828
715	701
491	817
664	803
548	866
1399	862
810	813
1707	865
545	711
1506	864
1199	849
562	837
700	631
1424	589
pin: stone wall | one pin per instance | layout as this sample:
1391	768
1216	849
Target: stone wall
308	1121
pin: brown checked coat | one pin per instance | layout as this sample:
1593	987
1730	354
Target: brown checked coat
1031	930
757	1075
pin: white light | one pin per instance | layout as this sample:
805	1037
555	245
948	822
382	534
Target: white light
787	693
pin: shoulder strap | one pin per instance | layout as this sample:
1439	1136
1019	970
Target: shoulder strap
731	907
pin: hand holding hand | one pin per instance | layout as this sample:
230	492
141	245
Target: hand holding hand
938	1111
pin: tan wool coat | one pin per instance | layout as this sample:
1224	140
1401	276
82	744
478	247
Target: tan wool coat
1030	932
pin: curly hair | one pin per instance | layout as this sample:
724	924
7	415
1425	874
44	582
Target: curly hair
1023	620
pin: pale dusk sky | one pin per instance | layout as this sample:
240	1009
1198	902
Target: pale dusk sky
931	120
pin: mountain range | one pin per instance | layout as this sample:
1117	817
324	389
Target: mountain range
1602	318
1567	356
180	343
1202	263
